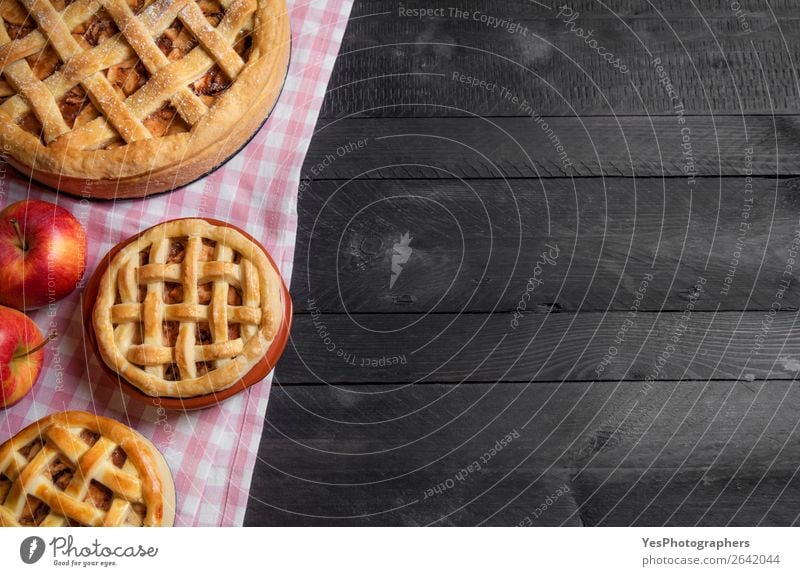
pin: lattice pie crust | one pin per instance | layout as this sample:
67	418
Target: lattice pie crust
78	469
130	97
187	309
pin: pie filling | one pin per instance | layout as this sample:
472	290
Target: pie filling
61	473
5	486
89	437
118	457
34	511
126	77
99	496
55	472
172	293
31	450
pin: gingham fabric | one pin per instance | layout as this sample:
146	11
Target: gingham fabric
212	452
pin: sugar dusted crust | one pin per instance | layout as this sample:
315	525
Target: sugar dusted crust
79	469
172	128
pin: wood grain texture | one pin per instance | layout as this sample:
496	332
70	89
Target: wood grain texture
691	498
416	348
393	60
476	244
681	453
682	413
405	148
594	8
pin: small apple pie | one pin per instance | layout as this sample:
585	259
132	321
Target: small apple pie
186	309
78	469
124	98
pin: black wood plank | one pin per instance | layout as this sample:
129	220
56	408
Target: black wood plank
542	9
411	348
702	497
475	244
720	60
673	453
553	147
711	440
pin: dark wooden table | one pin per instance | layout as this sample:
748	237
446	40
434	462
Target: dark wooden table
547	277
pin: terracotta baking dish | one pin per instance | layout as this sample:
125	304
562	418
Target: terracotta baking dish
255	375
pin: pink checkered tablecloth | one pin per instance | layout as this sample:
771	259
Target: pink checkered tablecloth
211	452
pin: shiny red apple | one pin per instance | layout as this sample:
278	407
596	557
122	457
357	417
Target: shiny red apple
42	254
21	355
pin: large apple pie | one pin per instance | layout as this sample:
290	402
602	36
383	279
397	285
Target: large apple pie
78	469
188	308
119	98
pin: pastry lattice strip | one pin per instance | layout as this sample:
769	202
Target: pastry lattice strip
168	79
154	354
29	477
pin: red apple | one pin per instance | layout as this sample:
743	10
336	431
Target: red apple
21	355
42	254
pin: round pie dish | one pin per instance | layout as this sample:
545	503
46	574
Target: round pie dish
126	98
80	469
187	313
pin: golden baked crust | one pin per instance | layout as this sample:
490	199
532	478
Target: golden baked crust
130	97
187	309
76	468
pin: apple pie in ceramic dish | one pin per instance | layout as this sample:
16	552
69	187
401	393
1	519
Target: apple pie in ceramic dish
189	309
124	98
79	469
